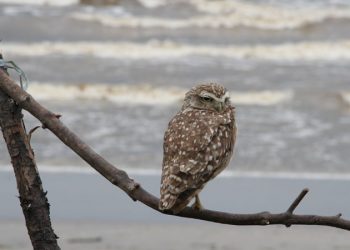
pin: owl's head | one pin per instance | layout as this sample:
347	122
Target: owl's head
208	96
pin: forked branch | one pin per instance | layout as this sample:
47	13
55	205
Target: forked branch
136	192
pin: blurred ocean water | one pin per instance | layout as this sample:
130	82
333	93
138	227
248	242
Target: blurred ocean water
118	74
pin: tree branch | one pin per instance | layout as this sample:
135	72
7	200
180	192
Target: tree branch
34	203
136	192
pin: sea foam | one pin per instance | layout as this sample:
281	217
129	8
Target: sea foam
153	49
212	14
143	94
42	2
226	14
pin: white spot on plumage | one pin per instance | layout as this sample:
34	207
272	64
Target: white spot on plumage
192	161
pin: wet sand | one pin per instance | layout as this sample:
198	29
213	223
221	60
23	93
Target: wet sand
88	196
89	213
153	236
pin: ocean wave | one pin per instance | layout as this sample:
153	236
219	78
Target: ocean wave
210	14
226	14
135	94
42	2
143	94
224	174
307	51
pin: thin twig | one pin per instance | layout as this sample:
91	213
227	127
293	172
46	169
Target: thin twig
296	202
31	132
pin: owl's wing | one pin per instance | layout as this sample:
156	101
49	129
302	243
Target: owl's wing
192	149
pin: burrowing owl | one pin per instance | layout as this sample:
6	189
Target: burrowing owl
198	145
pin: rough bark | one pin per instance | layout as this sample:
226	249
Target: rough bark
32	197
137	193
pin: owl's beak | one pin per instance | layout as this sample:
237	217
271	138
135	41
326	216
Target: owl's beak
219	106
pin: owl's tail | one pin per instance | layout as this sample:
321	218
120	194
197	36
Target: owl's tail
167	201
173	203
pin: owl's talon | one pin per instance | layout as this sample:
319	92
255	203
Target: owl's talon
197	205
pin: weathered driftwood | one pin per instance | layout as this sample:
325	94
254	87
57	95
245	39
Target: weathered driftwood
31	194
120	178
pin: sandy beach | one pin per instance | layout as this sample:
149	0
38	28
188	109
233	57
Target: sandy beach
88	196
89	213
172	236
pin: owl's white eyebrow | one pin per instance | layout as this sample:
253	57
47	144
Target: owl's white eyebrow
222	99
225	96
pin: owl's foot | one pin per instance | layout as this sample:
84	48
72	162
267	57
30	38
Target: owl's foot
197	203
